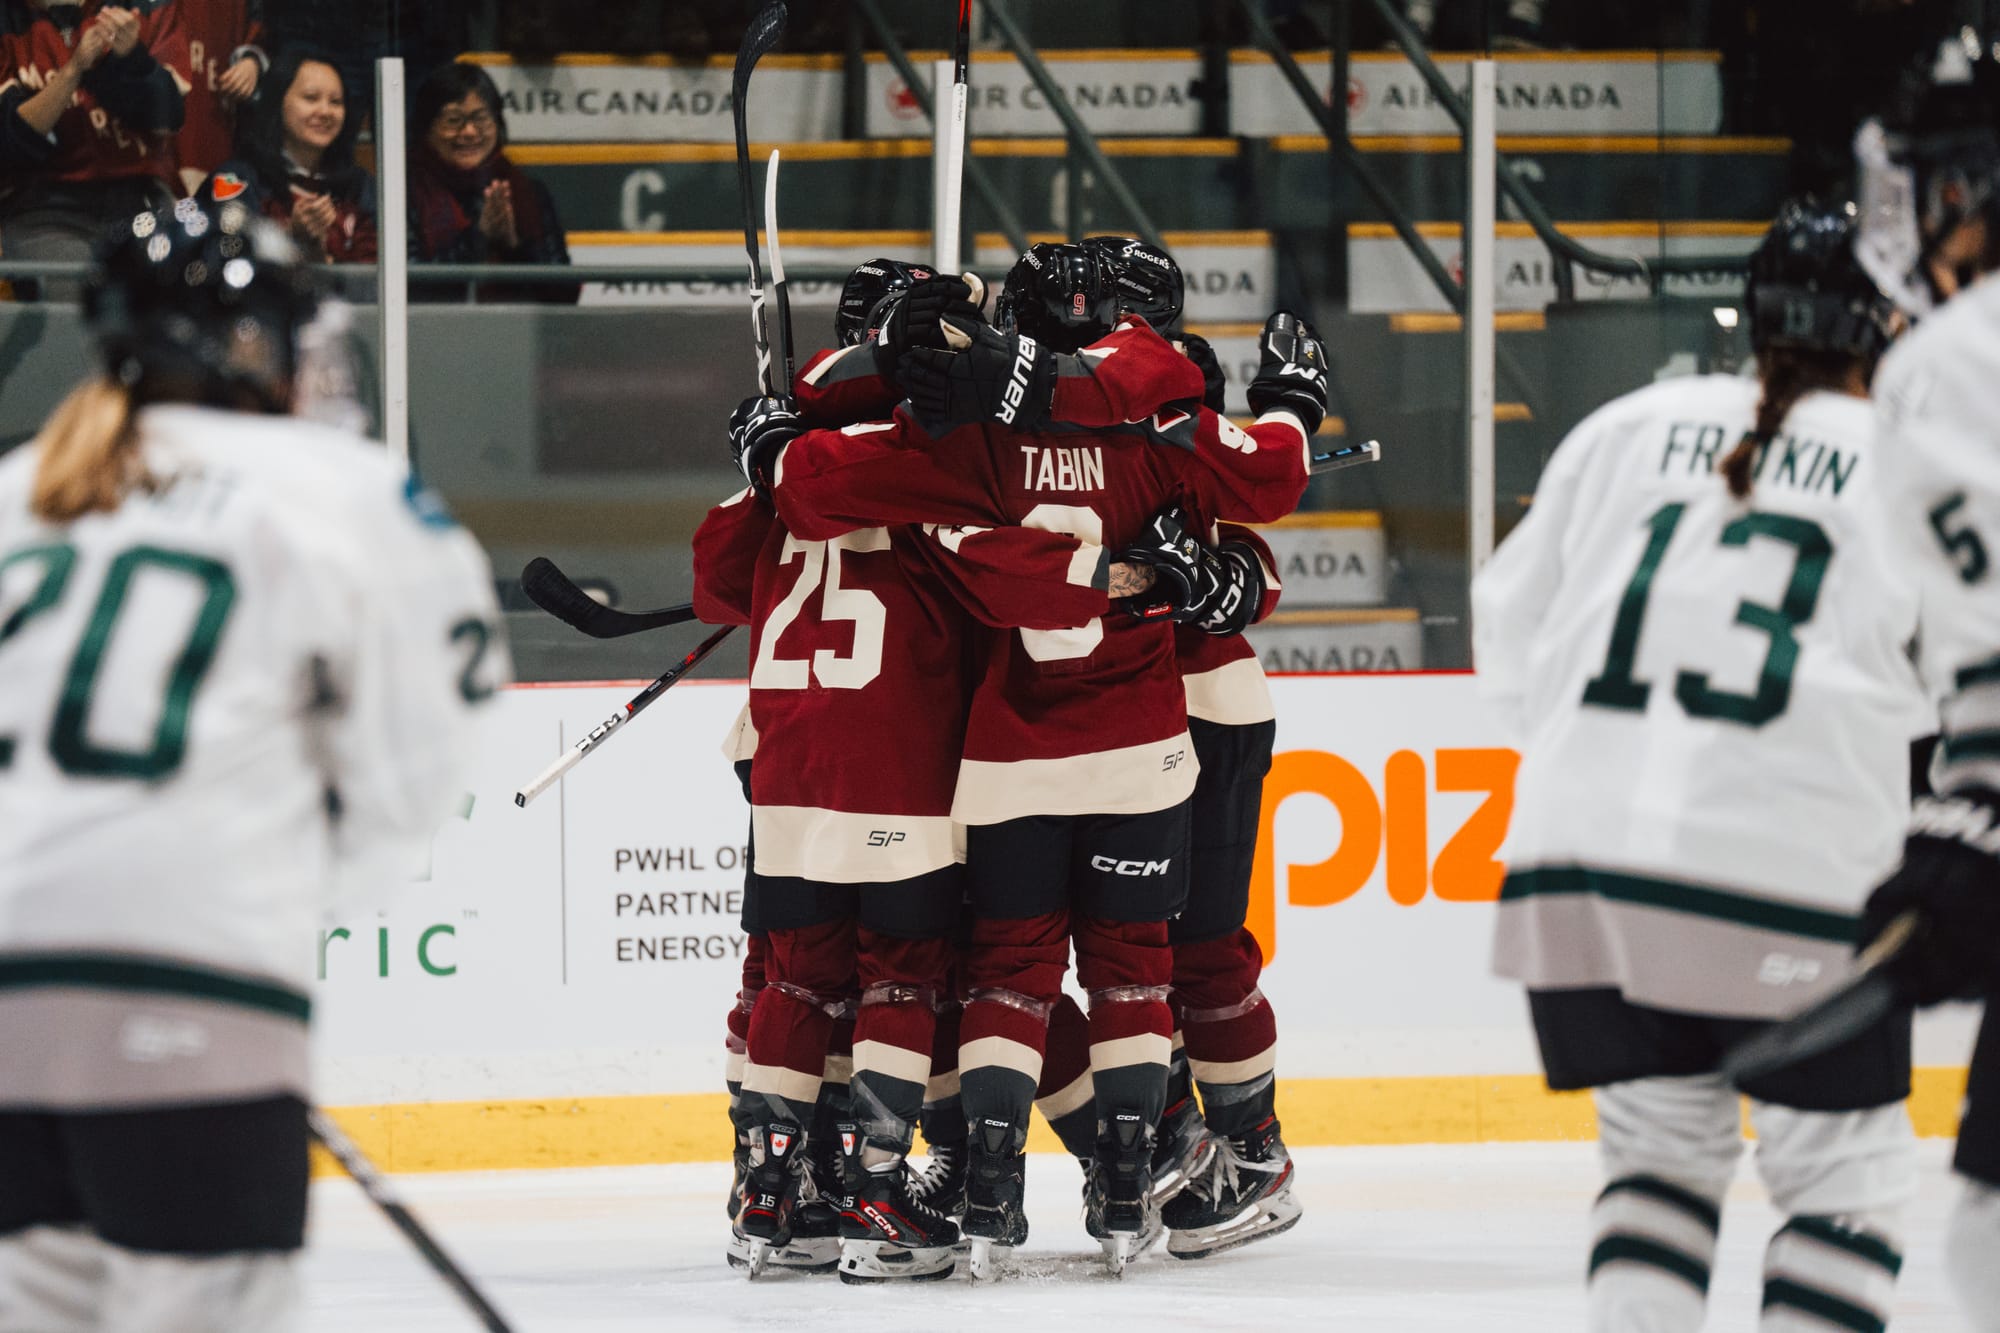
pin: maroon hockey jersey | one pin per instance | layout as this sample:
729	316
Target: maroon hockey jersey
861	673
121	122
216	30
1090	719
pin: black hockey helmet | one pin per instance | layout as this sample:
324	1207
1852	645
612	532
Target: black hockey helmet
204	305
1808	291
865	299
1062	295
1149	282
1929	161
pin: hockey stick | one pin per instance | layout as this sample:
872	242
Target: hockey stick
1840	1017
604	730
1369	451
362	1171
552	590
951	171
763	34
778	272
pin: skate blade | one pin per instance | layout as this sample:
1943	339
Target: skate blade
867	1261
758	1255
982	1258
797	1256
1120	1249
1274	1217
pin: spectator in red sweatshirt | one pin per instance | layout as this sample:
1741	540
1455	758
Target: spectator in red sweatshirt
90	98
225	53
295	161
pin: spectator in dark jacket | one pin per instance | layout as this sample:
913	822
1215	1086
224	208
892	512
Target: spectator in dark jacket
468	203
295	164
90	97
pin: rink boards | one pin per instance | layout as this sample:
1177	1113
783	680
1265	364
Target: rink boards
554	995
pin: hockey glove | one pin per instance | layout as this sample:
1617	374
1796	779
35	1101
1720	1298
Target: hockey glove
916	320
1232	589
1002	379
1951	877
1176	557
758	429
1291	377
1214	387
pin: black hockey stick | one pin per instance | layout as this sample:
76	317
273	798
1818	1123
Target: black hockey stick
356	1164
778	272
1840	1017
1368	451
552	590
762	36
604	730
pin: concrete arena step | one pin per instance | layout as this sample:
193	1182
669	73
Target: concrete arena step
1230	274
1341	639
1330	558
1182	183
1385	278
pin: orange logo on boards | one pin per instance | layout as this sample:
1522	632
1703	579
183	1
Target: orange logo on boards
1386	822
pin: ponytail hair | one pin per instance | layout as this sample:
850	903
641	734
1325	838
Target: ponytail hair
1788	374
89	454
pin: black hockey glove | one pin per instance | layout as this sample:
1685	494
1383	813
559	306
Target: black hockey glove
916	320
1232	588
1292	375
1951	877
1214	388
1002	379
1175	556
758	429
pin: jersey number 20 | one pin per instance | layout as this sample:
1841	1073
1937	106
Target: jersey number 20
1615	687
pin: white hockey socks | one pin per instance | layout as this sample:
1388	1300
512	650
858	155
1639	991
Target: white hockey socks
1652	1251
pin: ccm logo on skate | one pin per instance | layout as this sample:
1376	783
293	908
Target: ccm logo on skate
883	837
1136	869
1385	825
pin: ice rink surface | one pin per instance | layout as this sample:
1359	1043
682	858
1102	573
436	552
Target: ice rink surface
1414	1240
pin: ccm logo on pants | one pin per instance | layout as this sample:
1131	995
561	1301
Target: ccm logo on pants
1137	869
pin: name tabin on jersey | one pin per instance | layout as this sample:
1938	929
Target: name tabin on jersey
1799	463
1062	468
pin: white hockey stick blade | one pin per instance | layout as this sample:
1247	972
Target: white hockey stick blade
571	757
771	219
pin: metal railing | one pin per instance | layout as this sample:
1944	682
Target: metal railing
348	276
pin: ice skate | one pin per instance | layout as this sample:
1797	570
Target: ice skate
1245	1195
1118	1205
941	1183
995	1178
887	1233
1182	1149
771	1189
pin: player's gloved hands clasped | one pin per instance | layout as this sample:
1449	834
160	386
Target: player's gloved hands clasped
917	318
758	429
1005	379
1214	388
1176	557
1291	376
1950	876
1232	590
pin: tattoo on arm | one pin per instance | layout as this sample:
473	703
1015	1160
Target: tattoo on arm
1129	579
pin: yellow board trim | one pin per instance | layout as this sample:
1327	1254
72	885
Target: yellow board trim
594	59
1510	321
634	1131
1382	231
993	240
1325	518
1347	615
1327	426
845	150
1653	145
850	239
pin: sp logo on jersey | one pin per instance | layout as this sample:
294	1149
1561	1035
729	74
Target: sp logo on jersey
883	837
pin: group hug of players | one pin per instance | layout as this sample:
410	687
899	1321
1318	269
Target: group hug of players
981	731
1733	608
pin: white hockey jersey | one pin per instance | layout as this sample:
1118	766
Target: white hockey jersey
1714	701
219	705
1937	398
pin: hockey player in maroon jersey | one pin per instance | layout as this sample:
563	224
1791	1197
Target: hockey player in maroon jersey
1242	1177
90	98
1077	811
856	851
225	61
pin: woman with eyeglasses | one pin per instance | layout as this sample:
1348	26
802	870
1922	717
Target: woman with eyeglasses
295	164
468	203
